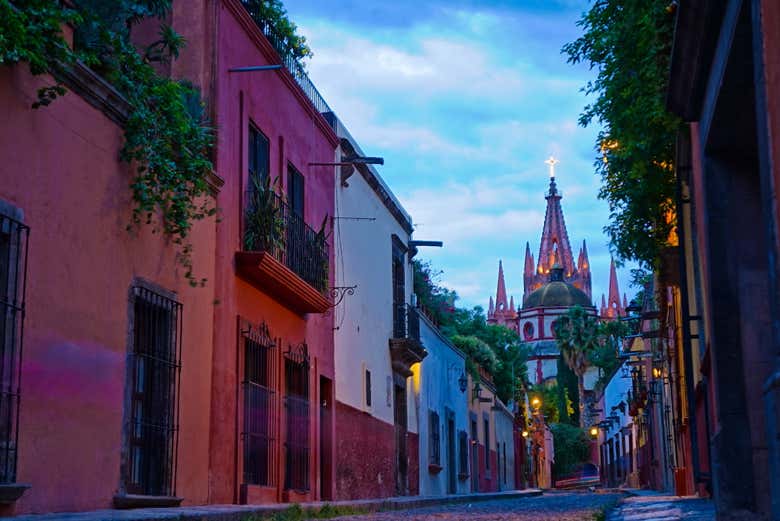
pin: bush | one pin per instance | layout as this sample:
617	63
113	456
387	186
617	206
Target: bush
572	448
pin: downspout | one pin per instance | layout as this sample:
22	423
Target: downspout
684	168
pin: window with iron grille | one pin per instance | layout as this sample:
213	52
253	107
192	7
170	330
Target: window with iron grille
259	394
258	160
434	439
13	268
463	453
154	365
296	403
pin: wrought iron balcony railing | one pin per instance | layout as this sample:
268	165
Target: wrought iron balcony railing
271	226
406	322
283	47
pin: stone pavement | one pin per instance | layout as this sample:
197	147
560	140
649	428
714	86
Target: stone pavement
648	506
552	506
258	512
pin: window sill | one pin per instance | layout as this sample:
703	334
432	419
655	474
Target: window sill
139	501
434	468
10	492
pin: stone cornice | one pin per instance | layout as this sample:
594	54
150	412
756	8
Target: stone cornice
95	90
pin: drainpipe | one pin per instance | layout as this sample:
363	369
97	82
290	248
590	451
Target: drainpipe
684	167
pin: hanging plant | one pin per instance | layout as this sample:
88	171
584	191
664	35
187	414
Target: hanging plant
167	139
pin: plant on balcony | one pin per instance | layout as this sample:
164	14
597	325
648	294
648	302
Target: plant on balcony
319	246
264	224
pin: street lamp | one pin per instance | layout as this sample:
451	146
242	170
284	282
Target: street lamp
536	402
594	431
462	382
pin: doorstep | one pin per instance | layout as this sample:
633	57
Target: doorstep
240	512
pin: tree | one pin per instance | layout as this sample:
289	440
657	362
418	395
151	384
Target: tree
577	336
629	43
572	448
605	356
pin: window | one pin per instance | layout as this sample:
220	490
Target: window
434	439
296	403
154	388
368	388
463	453
258	160
259	393
295	190
13	265
487	443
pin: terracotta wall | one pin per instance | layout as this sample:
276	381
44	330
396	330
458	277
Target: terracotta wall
60	166
365	455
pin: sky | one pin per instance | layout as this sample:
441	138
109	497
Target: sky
465	99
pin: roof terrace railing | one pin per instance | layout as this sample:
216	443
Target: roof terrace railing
283	47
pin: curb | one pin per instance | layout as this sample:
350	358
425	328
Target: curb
260	512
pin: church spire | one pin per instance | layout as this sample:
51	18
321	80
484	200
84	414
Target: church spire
554	245
501	303
615	306
529	261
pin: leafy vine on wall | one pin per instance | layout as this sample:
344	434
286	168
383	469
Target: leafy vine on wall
167	139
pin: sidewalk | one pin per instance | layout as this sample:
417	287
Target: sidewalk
653	506
258	512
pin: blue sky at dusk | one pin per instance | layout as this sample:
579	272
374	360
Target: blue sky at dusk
465	100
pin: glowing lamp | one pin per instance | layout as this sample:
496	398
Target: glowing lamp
594	431
525	434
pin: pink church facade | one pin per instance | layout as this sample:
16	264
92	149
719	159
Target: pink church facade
552	285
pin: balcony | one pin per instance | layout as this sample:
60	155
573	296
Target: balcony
282	255
282	45
405	346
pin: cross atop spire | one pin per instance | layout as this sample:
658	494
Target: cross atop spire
552	162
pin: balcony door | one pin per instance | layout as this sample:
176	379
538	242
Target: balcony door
399	289
296	226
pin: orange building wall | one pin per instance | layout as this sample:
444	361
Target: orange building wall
60	166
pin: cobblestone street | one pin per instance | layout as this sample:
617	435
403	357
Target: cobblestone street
552	506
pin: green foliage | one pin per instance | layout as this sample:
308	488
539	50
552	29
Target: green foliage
478	351
548	394
505	355
572	448
437	300
273	12
31	32
264	216
297	513
577	336
605	355
629	43
167	139
568	394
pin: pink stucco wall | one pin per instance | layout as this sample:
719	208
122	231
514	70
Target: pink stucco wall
298	135
60	166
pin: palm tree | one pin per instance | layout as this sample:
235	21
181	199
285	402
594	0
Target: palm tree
577	336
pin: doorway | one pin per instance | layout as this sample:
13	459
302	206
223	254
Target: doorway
326	413
451	478
400	416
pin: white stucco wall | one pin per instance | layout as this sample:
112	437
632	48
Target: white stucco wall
364	321
439	392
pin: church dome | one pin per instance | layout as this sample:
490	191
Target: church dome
557	293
